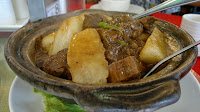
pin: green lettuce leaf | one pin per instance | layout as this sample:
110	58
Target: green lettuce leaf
55	104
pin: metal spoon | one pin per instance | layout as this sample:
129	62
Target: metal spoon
163	6
171	56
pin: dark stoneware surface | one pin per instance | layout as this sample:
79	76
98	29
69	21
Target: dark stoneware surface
146	94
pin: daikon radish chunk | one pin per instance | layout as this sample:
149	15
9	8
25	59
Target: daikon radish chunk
155	48
65	32
47	41
86	58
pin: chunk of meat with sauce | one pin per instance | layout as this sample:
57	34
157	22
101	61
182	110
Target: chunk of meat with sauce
54	64
113	40
116	52
131	28
93	20
148	22
57	65
126	69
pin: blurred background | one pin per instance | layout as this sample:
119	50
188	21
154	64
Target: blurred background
17	13
190	8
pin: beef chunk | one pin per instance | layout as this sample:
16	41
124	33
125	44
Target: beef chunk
148	22
121	45
118	46
93	20
114	53
55	64
132	28
126	69
109	36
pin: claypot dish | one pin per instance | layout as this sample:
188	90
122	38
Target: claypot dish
146	94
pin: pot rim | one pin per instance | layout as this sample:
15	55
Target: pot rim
15	64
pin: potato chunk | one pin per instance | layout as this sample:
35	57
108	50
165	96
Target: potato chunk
67	29
47	41
155	48
86	58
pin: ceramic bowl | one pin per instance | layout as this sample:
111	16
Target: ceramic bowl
115	5
147	94
191	24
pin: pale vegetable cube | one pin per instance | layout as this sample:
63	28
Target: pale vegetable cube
86	58
47	41
67	29
155	48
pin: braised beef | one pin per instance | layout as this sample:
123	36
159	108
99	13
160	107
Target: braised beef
113	39
92	20
54	64
57	65
115	52
122	49
148	22
132	28
109	36
126	69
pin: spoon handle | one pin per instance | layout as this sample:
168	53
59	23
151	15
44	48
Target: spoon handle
171	56
163	6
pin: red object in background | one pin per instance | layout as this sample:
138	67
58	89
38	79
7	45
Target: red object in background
196	67
87	6
175	20
170	18
73	5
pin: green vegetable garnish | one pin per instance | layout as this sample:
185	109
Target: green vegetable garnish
122	43
55	104
106	25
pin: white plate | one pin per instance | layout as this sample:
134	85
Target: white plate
11	28
23	99
132	9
